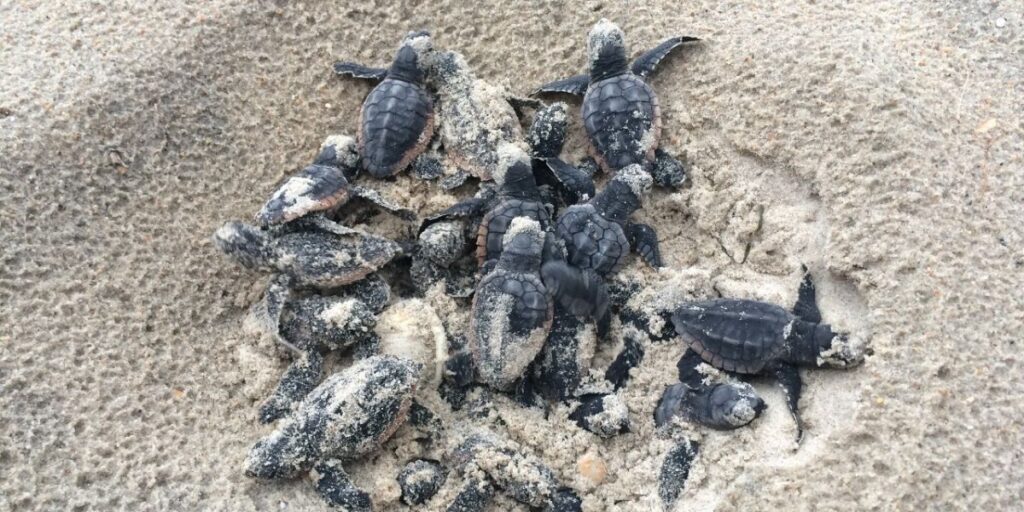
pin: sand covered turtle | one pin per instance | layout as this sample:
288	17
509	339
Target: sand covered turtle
349	415
602	414
311	324
753	337
311	251
491	462
620	110
546	138
476	117
396	121
598	234
323	186
511	312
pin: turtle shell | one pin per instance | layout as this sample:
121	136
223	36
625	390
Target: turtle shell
592	241
327	260
496	222
623	120
315	188
511	318
735	335
395	125
351	413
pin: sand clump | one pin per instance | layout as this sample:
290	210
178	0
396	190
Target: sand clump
880	145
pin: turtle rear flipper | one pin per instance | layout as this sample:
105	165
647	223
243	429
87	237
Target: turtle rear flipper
335	486
384	204
806	304
645	64
575	85
298	380
359	71
789	378
644	240
582	293
575	186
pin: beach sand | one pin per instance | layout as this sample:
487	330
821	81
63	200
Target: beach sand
881	145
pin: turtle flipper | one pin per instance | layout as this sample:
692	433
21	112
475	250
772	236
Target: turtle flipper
576	85
335	486
359	71
319	221
645	64
520	104
675	470
475	496
576	185
374	197
268	311
629	357
668	172
466	208
806	303
580	292
298	380
789	378
644	240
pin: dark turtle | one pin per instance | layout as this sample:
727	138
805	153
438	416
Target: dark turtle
620	111
598	234
752	337
312	324
503	464
397	118
311	251
420	480
518	195
349	415
511	309
323	186
546	138
475	116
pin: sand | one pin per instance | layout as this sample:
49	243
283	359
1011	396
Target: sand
879	144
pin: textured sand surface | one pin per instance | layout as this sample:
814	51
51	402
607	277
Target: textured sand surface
881	145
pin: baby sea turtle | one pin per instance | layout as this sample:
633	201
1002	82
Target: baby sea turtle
323	186
546	138
518	197
752	337
598	234
718	405
311	324
397	118
476	116
511	309
620	110
310	251
504	464
349	415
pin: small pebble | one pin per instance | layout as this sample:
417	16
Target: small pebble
593	468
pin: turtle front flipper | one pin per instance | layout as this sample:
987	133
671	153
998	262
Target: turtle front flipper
582	293
629	357
645	64
807	304
575	185
359	71
675	470
384	204
268	311
298	380
335	486
575	85
644	241
789	378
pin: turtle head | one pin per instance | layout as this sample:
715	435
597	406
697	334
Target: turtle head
445	68
514	174
606	48
248	245
340	151
547	133
839	350
277	456
523	244
624	194
410	61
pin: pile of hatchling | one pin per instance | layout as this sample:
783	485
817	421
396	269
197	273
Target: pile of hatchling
532	255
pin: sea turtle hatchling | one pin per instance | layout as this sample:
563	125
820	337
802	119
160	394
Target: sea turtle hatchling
323	186
752	337
598	234
396	121
310	324
310	251
349	415
620	110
